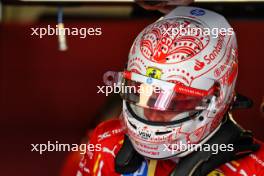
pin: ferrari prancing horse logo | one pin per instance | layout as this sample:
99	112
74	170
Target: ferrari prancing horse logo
154	72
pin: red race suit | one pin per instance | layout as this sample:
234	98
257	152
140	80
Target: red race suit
109	136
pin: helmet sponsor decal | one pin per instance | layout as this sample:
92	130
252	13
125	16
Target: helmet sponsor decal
217	50
198	12
144	135
199	65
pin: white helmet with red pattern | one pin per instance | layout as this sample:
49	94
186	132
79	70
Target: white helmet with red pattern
185	65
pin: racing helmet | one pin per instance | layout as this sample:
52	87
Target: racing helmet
183	68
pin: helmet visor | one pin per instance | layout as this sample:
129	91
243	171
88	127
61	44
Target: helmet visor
166	100
161	98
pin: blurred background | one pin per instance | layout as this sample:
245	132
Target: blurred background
50	95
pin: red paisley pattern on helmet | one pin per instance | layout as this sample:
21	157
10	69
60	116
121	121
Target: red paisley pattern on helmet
157	45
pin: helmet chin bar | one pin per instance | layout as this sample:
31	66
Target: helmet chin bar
136	124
